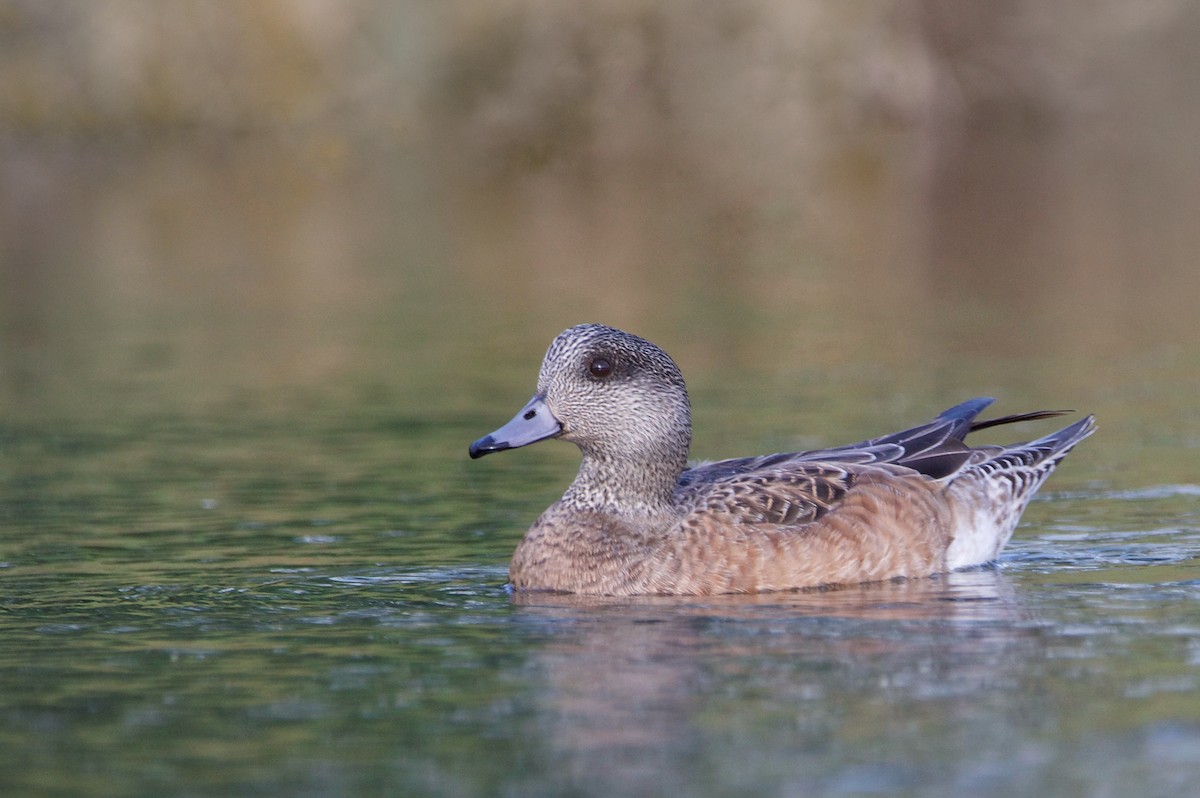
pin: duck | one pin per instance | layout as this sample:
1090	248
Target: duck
639	520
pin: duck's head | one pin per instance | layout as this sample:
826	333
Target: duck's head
616	396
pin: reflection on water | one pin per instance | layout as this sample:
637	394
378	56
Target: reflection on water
265	274
811	670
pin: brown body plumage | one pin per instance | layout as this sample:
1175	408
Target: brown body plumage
636	520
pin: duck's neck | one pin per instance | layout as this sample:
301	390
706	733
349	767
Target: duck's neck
626	486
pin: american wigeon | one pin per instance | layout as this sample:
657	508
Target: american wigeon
637	520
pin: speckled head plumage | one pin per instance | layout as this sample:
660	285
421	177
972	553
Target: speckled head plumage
623	402
616	393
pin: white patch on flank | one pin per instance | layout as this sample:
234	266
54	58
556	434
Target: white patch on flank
985	523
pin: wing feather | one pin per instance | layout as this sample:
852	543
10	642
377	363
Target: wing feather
797	495
935	449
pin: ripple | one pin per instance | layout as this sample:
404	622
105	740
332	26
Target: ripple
318	539
1153	493
493	575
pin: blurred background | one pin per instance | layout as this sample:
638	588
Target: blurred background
267	268
204	199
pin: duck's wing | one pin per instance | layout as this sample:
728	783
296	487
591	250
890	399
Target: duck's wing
792	495
935	449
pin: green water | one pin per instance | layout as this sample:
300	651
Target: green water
304	595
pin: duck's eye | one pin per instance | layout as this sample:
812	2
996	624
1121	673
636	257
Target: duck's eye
600	367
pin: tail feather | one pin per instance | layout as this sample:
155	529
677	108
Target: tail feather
1036	415
1041	454
938	449
993	490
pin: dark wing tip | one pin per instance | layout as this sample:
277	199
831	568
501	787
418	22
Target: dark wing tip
967	410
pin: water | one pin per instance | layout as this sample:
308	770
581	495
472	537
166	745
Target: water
242	548
306	597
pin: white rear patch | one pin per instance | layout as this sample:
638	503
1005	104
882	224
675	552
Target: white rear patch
985	522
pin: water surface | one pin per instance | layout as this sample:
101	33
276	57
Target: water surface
310	600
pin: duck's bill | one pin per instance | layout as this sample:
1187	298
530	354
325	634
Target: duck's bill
533	423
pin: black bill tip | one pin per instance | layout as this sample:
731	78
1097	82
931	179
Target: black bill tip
486	445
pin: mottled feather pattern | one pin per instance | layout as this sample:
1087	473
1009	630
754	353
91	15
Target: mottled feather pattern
773	495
